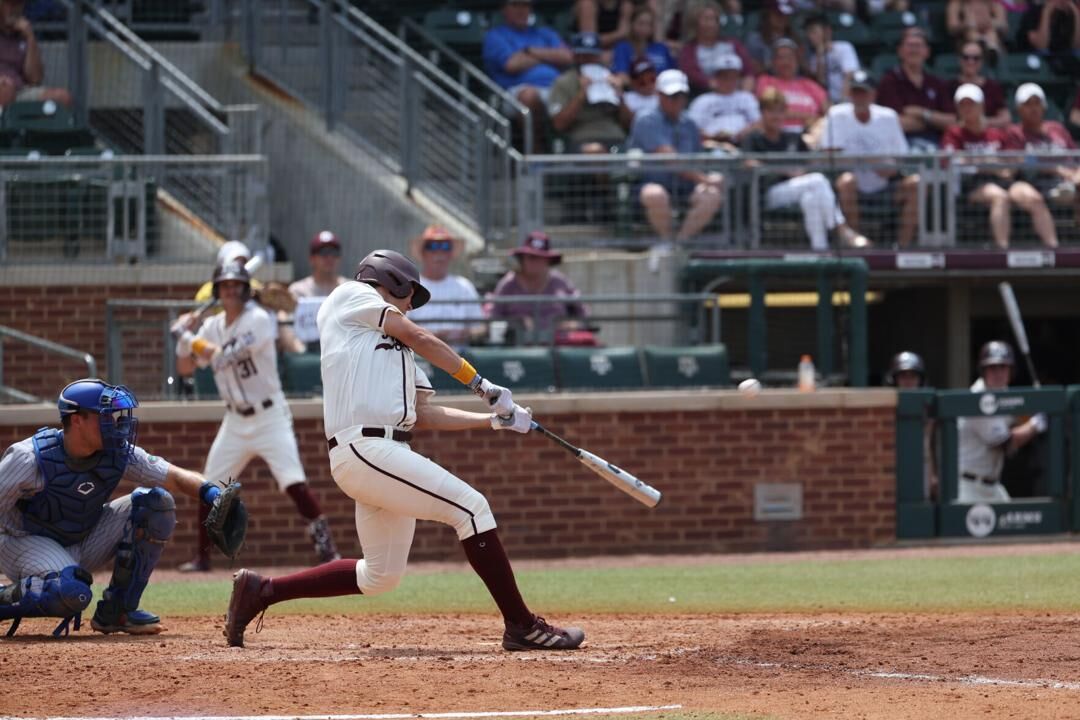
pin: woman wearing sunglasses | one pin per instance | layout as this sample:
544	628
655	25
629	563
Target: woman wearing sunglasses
972	56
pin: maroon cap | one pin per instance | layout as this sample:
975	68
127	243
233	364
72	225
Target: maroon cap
538	244
322	239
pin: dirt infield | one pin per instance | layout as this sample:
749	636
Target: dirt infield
850	665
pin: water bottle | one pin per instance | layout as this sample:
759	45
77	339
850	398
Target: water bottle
807	381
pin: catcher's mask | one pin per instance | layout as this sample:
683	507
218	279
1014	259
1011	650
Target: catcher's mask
396	273
114	405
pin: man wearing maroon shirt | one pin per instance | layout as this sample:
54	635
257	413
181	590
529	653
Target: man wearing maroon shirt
21	69
993	187
1037	136
919	98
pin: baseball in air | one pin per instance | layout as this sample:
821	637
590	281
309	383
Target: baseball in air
750	386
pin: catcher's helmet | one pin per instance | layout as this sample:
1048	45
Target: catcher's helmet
114	405
396	273
996	352
234	270
905	361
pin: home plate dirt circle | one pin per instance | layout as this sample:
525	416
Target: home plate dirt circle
852	665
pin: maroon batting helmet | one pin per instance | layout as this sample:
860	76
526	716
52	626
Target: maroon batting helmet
396	273
233	270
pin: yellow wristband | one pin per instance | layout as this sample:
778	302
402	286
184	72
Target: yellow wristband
465	373
198	345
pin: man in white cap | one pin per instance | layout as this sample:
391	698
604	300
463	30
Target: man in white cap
727	113
1037	136
993	187
669	130
862	127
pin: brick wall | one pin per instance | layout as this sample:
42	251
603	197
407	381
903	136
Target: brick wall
706	462
75	316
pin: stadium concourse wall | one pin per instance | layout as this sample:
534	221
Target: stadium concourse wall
706	450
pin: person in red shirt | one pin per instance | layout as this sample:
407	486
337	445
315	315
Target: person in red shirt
1037	136
806	100
993	187
918	97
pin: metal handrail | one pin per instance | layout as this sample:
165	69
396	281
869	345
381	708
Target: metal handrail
48	346
414	57
466	67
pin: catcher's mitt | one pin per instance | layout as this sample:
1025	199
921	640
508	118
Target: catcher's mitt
275	296
226	523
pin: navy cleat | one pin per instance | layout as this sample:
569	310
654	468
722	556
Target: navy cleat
108	619
542	636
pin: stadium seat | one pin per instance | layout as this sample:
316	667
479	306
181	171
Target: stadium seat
691	366
599	368
889	26
1017	68
457	27
883	63
57	142
848	27
301	373
515	367
37	115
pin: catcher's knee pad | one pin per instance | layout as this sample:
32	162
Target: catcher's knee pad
375	582
60	594
153	517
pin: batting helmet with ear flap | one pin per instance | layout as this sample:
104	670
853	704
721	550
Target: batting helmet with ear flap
234	270
996	352
905	361
396	273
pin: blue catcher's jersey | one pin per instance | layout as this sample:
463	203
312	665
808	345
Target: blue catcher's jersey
71	503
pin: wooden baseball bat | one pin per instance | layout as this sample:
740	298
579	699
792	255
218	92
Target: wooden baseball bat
1012	310
640	491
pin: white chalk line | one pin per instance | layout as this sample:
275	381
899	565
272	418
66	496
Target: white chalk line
1046	684
386	716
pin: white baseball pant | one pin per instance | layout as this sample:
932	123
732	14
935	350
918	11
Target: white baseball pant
393	487
267	434
973	491
813	193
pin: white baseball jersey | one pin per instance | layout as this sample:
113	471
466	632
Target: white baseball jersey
245	369
982	443
369	378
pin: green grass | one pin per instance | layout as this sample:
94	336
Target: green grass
1035	582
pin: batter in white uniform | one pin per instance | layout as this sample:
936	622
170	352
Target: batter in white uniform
986	440
239	345
375	397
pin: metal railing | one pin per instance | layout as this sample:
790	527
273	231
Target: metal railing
168	207
469	76
591	201
414	118
47	346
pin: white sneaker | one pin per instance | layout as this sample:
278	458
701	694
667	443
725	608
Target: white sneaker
658	252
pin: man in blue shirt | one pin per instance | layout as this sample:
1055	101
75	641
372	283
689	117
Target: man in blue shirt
668	129
525	60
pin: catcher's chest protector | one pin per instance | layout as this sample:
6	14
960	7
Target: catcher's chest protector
71	503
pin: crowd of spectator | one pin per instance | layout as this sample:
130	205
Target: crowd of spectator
673	76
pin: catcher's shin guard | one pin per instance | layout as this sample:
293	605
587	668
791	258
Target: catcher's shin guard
153	517
63	594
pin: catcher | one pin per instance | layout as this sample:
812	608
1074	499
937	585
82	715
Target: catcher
57	524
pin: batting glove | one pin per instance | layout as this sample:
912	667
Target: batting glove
1039	422
519	420
183	343
499	398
